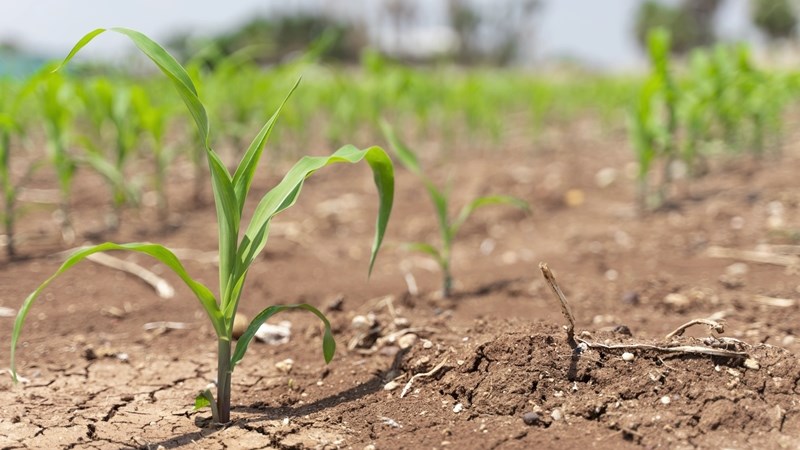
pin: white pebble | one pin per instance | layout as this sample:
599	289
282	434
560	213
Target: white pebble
458	408
557	414
751	363
665	400
628	356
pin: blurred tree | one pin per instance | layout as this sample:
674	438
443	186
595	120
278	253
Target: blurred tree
271	40
690	22
777	19
491	32
402	14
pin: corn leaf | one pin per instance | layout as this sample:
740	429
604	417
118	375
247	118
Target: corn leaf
159	252
480	202
328	343
285	194
249	163
428	249
407	157
410	161
228	212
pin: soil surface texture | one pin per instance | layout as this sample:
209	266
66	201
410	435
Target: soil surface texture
108	364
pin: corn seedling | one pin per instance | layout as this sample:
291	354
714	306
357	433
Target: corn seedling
448	225
236	253
56	96
109	103
13	129
153	120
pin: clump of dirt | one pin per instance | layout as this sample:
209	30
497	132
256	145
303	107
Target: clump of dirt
651	398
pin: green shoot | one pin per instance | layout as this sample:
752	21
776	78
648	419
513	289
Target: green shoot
56	96
239	243
448	226
109	104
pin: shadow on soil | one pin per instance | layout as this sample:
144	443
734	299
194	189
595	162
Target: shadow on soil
257	412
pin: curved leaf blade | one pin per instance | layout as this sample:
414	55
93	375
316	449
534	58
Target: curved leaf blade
427	249
328	343
285	194
159	252
406	156
228	212
249	163
480	202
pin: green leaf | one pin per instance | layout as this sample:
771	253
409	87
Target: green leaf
249	163
202	400
206	398
328	343
228	212
159	252
407	157
428	249
480	202
285	194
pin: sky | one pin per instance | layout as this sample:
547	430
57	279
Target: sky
597	32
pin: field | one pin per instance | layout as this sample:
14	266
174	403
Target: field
108	364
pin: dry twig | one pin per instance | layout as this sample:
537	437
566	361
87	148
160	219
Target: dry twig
565	310
429	373
715	326
686	349
754	256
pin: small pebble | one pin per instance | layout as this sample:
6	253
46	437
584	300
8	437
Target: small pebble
390	386
630	298
557	414
751	363
407	340
665	400
623	329
458	408
285	366
426	344
240	323
531	418
628	356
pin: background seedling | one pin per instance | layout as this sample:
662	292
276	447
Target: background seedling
56	97
239	244
448	225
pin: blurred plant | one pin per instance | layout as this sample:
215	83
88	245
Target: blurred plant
57	99
153	118
109	106
13	127
654	122
448	225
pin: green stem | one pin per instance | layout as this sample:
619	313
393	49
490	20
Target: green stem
224	381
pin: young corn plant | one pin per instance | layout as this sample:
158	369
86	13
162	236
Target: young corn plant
154	119
56	96
654	122
448	225
239	243
110	106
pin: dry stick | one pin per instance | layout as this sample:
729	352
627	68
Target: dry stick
716	326
565	310
420	375
754	256
690	349
162	287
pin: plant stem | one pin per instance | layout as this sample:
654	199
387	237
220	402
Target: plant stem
224	380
